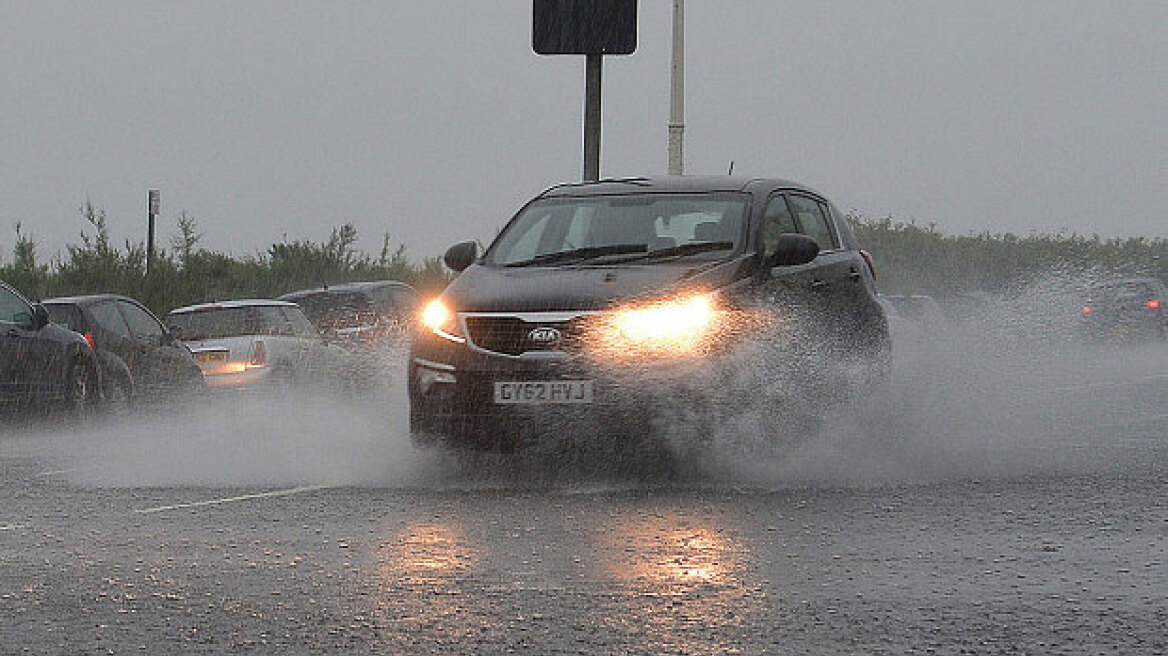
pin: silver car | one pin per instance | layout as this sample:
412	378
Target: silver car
253	342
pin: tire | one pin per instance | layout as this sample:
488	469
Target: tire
81	390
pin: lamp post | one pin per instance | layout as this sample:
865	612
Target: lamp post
677	92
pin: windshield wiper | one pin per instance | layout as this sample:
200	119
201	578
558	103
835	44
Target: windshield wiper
686	249
581	254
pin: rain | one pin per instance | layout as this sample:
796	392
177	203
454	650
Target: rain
883	376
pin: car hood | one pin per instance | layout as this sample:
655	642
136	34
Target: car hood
583	287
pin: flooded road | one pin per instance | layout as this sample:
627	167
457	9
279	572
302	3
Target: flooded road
979	508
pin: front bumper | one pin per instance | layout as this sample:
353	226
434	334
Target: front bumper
452	387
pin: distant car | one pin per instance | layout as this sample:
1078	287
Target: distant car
42	363
140	359
252	342
359	313
1128	308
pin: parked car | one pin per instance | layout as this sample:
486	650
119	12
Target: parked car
140	359
359	313
246	343
43	364
1127	308
638	276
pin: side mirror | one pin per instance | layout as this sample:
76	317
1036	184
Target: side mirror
793	250
176	331
40	316
459	256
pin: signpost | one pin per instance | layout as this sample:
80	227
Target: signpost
593	28
152	202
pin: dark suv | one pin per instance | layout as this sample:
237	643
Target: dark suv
359	313
595	293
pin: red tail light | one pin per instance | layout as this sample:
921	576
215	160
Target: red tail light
1154	303
1086	309
868	259
258	354
89	340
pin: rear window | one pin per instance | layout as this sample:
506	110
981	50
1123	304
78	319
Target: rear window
332	306
63	315
214	323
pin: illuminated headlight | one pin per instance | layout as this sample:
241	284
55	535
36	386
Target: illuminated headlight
677	326
438	318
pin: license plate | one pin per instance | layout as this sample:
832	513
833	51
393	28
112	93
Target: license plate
543	392
211	357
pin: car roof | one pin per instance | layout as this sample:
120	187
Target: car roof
88	299
348	287
672	184
223	305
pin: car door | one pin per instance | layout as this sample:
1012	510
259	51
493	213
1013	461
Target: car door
162	362
788	289
836	272
112	336
17	343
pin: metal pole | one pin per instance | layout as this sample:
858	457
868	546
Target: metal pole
151	212
592	75
677	92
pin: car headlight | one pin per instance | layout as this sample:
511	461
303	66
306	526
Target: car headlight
442	321
676	326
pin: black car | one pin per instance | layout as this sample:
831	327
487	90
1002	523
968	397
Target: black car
139	357
1125	309
43	364
359	313
635	279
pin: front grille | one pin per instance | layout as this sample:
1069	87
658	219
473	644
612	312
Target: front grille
512	335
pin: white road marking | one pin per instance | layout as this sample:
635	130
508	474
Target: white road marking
11	527
244	497
1105	385
71	470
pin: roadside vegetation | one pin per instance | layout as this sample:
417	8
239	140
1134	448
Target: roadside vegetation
909	259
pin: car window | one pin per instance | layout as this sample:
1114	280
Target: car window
214	323
339	309
13	308
812	221
144	326
107	316
298	324
63	315
776	221
653	221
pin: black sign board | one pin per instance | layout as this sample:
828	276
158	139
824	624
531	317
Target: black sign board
584	27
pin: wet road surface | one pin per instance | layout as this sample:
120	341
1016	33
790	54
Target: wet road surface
1029	518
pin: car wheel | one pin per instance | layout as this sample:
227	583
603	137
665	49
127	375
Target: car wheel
81	390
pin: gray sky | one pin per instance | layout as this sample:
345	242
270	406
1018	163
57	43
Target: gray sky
433	121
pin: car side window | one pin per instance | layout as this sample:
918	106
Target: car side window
813	222
776	221
13	308
107	316
144	326
297	324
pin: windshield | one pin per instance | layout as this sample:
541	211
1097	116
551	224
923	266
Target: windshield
622	228
213	323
